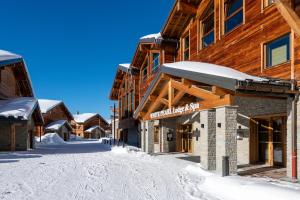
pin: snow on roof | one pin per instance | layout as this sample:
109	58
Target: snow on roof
47	104
91	129
18	108
124	67
6	56
56	125
81	118
151	38
212	69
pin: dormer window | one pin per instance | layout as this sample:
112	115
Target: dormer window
186	47
155	62
208	33
234	14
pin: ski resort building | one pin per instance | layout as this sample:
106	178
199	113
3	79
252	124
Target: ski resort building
57	118
19	110
88	124
223	84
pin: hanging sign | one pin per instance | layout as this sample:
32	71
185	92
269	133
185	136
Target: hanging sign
188	108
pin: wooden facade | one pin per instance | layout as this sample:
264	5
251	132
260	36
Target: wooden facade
14	85
79	127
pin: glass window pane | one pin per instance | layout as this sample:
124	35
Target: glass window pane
208	25
208	39
278	51
234	21
186	55
186	42
155	61
232	6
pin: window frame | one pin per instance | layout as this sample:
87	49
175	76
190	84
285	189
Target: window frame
154	69
202	22
226	18
265	51
266	3
184	49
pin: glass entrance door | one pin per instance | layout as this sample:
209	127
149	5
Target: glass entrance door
186	138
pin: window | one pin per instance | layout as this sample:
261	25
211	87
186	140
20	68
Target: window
186	47
268	2
233	14
208	35
144	73
132	101
155	61
277	51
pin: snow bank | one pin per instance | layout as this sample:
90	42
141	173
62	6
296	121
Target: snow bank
50	139
200	184
133	152
75	138
101	140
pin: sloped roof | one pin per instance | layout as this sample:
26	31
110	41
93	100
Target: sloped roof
91	129
207	73
8	58
47	104
56	125
18	108
151	38
84	117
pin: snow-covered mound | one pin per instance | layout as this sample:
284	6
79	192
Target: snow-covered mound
101	140
50	139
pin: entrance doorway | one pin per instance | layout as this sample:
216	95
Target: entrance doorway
268	141
185	138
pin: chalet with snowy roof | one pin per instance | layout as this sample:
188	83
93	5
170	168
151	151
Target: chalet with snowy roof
84	124
57	118
95	132
226	85
19	110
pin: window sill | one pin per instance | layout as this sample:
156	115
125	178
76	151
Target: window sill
266	8
276	66
233	30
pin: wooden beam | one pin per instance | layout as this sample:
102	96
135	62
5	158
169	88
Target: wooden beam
177	98
164	101
289	15
170	94
154	105
186	8
194	91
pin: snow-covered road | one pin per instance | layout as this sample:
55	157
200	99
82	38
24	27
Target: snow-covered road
91	170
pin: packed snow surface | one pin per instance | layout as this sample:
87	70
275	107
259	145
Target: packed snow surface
47	104
90	170
211	69
18	107
81	118
56	125
50	139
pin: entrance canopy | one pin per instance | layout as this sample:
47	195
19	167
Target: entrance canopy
185	87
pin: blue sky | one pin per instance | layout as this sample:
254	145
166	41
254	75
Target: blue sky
72	47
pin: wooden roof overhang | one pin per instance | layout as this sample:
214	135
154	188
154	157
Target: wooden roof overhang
181	14
176	88
117	83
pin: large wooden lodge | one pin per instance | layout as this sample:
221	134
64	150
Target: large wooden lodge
220	79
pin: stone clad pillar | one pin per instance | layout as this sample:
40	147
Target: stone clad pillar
148	136
208	139
226	133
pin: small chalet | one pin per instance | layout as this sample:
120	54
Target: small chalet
95	132
86	123
19	110
57	118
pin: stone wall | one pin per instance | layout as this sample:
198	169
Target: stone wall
208	139
226	144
